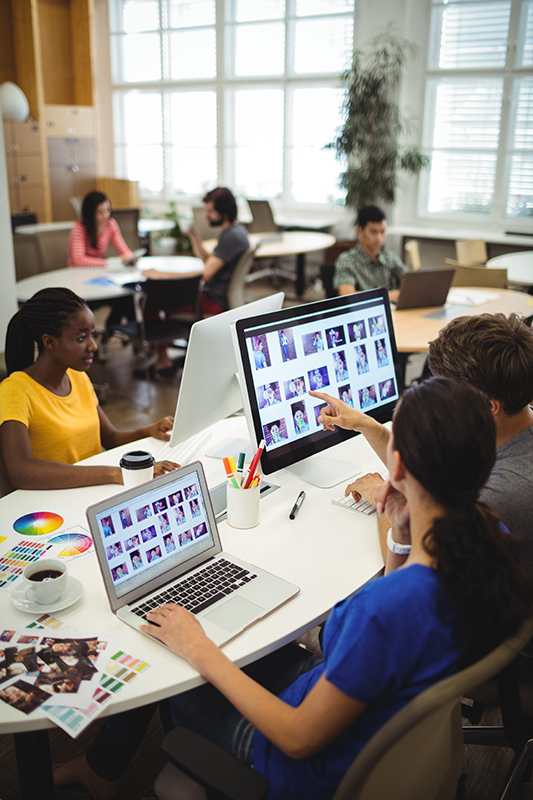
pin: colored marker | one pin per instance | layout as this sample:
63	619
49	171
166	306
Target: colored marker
230	473
253	465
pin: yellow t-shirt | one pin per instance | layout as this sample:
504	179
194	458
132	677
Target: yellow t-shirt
64	429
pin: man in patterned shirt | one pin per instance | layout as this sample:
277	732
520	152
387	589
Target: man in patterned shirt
369	265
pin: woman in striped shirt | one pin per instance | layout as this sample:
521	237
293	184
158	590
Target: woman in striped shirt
90	238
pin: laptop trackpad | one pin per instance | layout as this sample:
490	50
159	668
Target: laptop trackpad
234	614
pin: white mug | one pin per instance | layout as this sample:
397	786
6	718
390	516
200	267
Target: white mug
41	588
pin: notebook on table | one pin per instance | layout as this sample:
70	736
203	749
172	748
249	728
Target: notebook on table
425	287
159	543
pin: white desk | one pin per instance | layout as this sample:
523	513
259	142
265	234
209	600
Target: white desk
144	226
328	551
519	267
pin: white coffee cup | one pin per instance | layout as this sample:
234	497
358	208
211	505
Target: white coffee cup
42	588
137	467
243	507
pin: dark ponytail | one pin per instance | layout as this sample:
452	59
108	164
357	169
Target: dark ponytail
445	433
47	312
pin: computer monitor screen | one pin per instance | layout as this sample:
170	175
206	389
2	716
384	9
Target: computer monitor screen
344	346
209	389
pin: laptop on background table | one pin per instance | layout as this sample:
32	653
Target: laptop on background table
159	543
425	287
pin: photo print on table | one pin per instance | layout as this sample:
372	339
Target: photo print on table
107	526
59	683
286	344
125	518
299	418
312	343
24	696
345	394
357	331
335	337
361	359
294	388
268	395
275	432
339	365
367	397
149	533
377	325
175	499
261	354
318	378
381	353
387	389
136	559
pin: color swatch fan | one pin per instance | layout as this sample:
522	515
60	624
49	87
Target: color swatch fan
39	523
75	544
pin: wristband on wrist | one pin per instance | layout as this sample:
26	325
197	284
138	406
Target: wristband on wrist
395	547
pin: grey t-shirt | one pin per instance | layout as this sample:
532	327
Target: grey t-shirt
232	243
509	489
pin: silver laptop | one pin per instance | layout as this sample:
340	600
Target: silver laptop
425	288
159	543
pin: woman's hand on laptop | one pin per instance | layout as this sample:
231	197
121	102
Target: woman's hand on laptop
181	631
339	414
160	429
162	467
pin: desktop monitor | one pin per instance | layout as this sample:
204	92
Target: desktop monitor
209	389
344	346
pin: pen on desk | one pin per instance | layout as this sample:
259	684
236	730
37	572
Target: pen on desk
253	465
296	507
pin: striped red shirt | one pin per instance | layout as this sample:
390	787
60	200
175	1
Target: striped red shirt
82	254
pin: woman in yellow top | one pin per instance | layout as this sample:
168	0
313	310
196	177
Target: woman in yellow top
49	413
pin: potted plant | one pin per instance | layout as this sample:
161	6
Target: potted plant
183	244
369	138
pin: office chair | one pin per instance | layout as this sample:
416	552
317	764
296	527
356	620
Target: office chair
471	251
53	246
17	220
413	254
238	279
262	217
467	275
416	754
28	259
128	221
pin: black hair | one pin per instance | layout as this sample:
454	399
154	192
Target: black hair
223	201
445	434
47	312
370	214
90	203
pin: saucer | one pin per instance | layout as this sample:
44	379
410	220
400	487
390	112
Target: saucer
73	592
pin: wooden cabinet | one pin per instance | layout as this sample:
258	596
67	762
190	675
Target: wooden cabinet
24	162
72	168
69	121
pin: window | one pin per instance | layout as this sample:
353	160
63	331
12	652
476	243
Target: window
478	122
247	98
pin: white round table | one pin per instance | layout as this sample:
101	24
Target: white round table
519	267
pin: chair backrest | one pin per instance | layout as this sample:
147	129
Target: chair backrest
203	227
467	275
128	220
169	294
262	217
332	253
28	260
76	203
419	752
54	248
413	254
327	272
471	251
238	279
17	220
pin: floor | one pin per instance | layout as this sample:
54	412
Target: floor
132	403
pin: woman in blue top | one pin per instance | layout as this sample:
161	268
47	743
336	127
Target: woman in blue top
461	591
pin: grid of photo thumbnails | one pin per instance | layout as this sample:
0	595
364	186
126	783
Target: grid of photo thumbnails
352	360
141	533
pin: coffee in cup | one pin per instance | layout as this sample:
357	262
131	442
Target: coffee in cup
45	580
137	467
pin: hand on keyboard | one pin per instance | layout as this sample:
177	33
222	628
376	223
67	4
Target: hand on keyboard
162	467
364	487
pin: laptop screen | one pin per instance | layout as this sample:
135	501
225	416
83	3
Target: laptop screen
153	532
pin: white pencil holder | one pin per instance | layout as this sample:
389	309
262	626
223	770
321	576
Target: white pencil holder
243	507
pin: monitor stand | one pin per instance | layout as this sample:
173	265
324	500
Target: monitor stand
324	472
232	447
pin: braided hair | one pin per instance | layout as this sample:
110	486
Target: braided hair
47	312
446	436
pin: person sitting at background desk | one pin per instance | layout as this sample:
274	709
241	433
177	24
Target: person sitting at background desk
385	644
49	412
369	265
90	238
494	354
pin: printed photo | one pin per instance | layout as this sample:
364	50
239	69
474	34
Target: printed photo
180	515
160	505
6	636
114	550
387	389
260	353
286	343
175	499
339	365
25	639
312	343
107	526
169	543
18	661
361	359
143	513
59	683
133	542
149	533
377	325
119	572
164	523
299	418
153	554
275	432
125	517
367	397
200	530
357	331
24	696
335	337
194	505
318	378
268	395
294	388
191	491
317	411
136	559
185	538
345	394
381	353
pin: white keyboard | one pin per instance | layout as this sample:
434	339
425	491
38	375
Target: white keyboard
348	502
185	452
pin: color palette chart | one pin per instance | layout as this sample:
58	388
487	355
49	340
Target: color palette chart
39	523
15	557
75	543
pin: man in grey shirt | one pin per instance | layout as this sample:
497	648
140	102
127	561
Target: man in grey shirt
493	353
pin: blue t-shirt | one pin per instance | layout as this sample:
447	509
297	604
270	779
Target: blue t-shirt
383	646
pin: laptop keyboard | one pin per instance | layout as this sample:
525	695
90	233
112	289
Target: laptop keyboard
200	590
